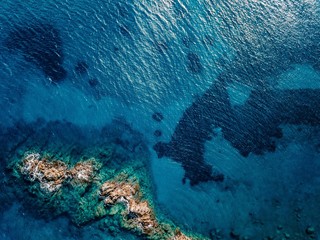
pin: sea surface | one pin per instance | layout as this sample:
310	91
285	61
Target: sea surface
226	95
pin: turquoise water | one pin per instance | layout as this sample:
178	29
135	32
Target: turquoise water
236	82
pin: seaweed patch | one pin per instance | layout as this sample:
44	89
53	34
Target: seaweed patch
250	128
40	44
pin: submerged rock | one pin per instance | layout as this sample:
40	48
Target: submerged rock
310	231
157	133
258	134
93	82
157	116
81	67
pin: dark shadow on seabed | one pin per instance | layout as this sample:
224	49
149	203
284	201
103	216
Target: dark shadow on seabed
250	128
40	44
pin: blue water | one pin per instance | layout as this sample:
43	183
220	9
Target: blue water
144	57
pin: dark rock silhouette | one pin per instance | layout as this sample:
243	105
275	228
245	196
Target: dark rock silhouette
250	128
40	44
193	130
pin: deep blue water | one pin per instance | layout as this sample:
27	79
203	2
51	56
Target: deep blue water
234	86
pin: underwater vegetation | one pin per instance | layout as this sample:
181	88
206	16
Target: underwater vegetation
96	177
40	44
257	134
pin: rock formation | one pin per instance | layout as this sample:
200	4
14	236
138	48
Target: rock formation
138	213
53	174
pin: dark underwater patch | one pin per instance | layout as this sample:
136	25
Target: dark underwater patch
193	63
62	137
157	133
157	116
93	82
81	67
208	40
40	44
250	128
193	130
124	30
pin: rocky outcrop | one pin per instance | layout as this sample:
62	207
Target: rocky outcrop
83	172
138	213
53	174
50	175
123	196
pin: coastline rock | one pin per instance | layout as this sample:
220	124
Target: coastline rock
50	175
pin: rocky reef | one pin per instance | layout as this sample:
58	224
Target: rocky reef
97	178
122	196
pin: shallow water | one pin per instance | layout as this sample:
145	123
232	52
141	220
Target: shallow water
236	83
